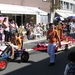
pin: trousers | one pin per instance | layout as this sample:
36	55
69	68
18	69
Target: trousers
51	52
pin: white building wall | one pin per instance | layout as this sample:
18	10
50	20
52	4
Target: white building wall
70	1
68	11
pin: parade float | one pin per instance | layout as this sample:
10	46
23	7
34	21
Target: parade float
66	41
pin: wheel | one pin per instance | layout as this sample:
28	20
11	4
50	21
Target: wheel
66	47
3	64
25	56
15	56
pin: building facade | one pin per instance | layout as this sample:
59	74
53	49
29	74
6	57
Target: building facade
35	6
41	4
37	10
67	8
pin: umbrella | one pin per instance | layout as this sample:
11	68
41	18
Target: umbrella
70	17
59	18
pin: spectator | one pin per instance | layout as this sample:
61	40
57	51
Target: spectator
44	30
38	29
12	28
70	67
41	30
28	32
16	27
22	26
2	37
34	31
6	29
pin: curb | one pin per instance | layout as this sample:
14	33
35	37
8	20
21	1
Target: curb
60	49
30	41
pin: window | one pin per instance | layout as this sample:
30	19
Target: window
44	0
66	5
61	4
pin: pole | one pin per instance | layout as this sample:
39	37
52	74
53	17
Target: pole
51	9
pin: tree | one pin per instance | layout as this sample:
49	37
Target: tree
54	4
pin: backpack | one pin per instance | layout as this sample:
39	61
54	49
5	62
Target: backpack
71	70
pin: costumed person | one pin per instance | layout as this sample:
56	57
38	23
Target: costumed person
52	37
59	28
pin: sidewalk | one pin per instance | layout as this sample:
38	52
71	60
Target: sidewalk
35	40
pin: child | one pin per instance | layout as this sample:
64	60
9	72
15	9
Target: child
70	67
16	43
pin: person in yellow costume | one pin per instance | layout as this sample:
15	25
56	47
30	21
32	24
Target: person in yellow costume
59	28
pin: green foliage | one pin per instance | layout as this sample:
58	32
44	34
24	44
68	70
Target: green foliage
55	6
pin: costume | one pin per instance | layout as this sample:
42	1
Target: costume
60	30
52	44
17	41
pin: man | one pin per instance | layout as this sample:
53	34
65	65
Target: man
52	37
12	28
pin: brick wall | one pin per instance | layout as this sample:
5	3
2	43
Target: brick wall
33	3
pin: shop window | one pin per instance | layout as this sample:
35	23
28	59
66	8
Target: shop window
31	19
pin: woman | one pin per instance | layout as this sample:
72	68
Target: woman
6	29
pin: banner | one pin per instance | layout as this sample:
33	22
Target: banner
2	18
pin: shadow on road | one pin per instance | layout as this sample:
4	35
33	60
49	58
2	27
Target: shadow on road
42	68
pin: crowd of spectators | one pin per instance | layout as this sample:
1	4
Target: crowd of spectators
28	31
33	31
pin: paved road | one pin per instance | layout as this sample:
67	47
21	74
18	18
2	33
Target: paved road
38	64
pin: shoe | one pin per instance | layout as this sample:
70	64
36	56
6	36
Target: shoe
55	55
51	64
11	57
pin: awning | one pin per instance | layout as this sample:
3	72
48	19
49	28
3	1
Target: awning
64	15
37	10
15	9
70	14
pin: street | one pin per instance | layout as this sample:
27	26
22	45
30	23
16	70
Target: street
38	63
